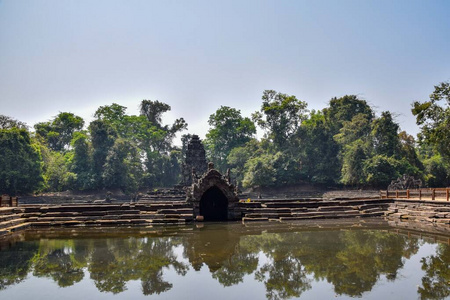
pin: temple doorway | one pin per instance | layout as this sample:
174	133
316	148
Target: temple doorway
214	205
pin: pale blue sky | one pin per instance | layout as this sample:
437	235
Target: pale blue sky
198	55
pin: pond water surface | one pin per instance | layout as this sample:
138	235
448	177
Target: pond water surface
225	261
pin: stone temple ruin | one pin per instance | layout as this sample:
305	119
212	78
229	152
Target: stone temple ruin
211	195
404	183
195	162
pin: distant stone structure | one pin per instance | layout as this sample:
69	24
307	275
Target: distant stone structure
213	197
195	163
404	183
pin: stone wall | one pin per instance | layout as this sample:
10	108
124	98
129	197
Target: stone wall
427	213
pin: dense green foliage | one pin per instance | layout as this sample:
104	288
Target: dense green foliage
20	162
346	143
229	130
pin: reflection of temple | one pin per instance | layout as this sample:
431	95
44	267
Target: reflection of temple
210	248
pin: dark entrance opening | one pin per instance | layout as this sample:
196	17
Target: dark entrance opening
214	205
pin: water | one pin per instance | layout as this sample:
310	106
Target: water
225	261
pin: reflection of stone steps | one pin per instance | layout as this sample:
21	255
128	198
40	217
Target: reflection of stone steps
293	210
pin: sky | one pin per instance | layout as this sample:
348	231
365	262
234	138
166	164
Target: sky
74	56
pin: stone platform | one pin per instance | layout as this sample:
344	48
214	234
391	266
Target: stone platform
153	212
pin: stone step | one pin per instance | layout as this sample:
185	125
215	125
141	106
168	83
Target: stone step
274	210
442	221
167	221
4	218
372	210
267	215
335	208
370	206
151	216
178	216
176	211
372	214
442	215
107	222
323	215
12	223
442	209
18	227
7	210
289	205
245	205
82	208
155	207
87	218
326	213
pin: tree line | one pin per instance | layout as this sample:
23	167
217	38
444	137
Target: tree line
344	144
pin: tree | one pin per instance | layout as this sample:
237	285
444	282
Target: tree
280	115
123	168
8	123
57	175
353	158
344	109
102	136
434	120
153	111
113	113
318	150
385	135
20	162
239	156
355	143
260	171
59	132
380	170
408	150
81	161
228	130
436	171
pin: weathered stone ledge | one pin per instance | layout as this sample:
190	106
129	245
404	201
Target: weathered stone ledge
424	213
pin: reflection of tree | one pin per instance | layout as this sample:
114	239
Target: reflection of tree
236	267
15	263
116	261
284	274
354	260
106	270
436	282
351	260
56	260
286	278
156	255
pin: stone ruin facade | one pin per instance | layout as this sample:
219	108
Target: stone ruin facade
213	197
195	162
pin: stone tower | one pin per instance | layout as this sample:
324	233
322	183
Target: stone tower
195	164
